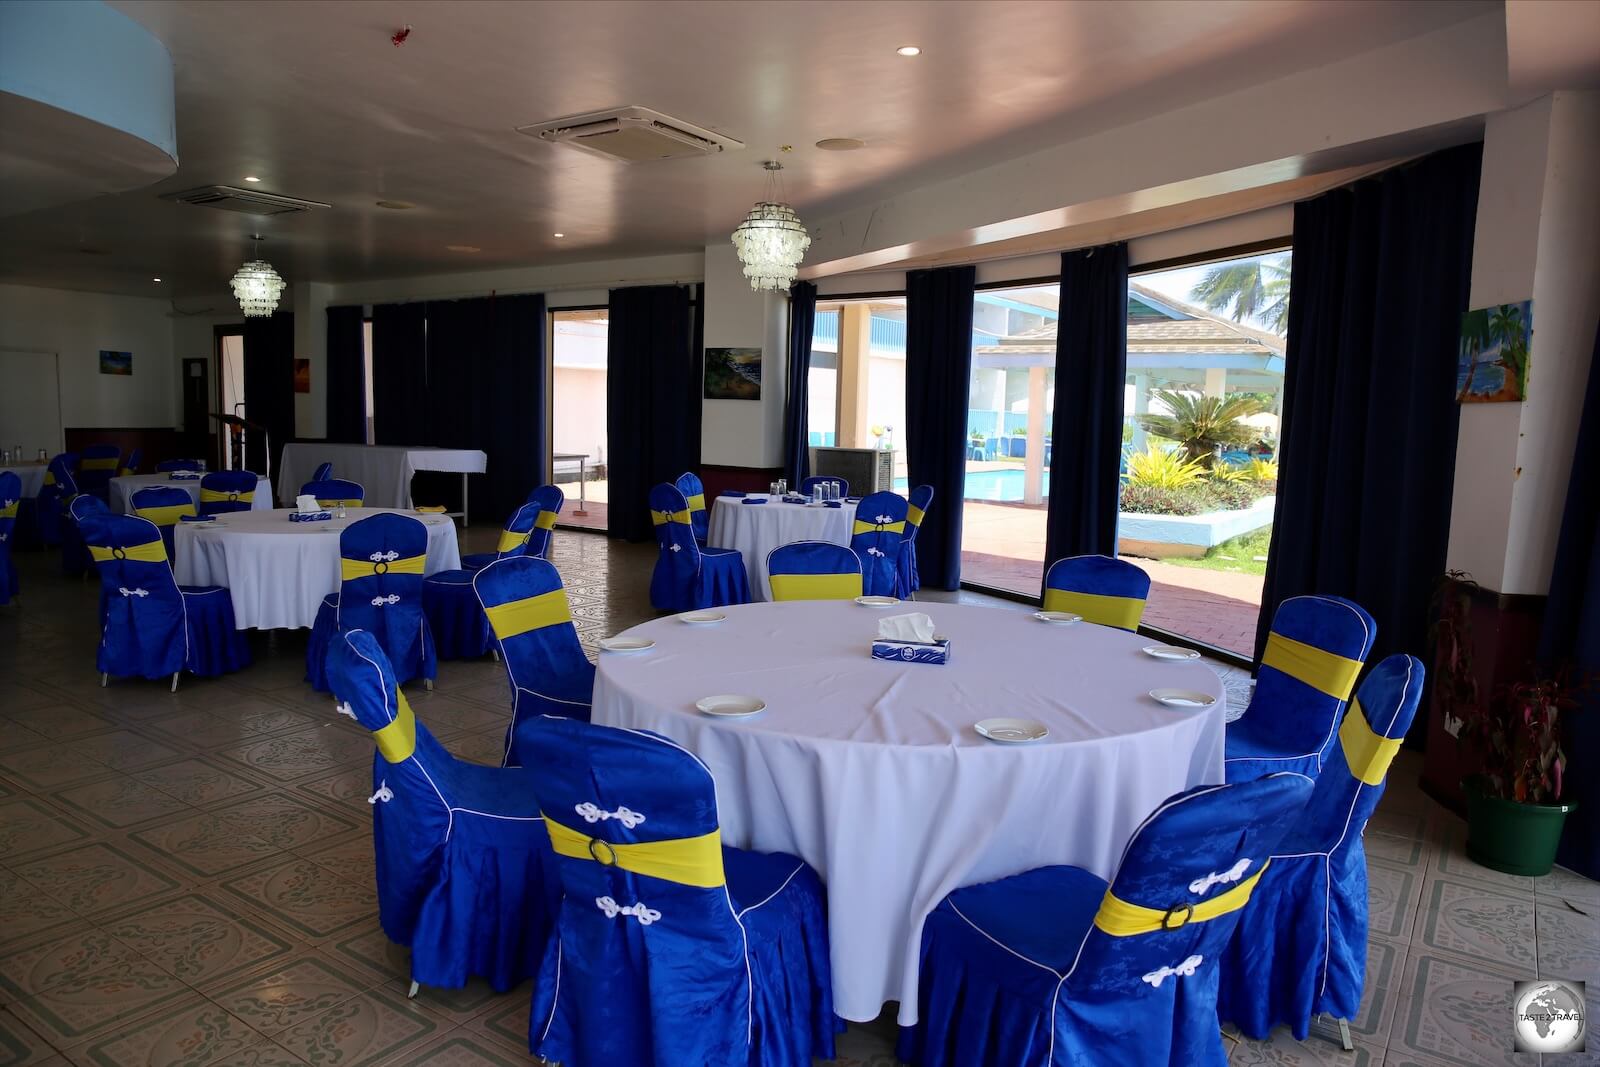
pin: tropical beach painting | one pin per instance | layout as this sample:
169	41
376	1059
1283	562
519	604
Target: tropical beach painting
1492	362
733	374
115	362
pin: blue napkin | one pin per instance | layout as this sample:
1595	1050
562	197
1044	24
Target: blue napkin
195	518
309	516
834	503
755	500
852	500
731	493
180	476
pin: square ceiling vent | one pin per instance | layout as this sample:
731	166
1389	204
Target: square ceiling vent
244	201
632	134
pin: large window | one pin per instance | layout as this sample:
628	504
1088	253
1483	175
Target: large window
578	415
857	384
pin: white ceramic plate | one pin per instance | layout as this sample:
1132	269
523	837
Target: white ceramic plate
701	618
626	644
877	601
1170	652
731	705
1012	731
1064	618
1183	698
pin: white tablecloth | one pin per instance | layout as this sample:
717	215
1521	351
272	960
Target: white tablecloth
32	475
384	471
870	770
756	529
123	488
278	571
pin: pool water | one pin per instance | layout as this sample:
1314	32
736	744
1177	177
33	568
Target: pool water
1003	485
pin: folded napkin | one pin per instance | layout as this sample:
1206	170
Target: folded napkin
430	509
195	518
852	500
834	503
732	493
913	626
183	476
310	516
306	504
754	500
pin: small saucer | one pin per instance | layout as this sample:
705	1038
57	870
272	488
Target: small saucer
1183	698
731	706
1060	618
1012	731
877	601
626	644
1170	652
701	618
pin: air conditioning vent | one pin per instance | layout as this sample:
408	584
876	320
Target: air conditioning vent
245	201
632	134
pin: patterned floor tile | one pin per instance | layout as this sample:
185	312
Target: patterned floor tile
204	844
1473	920
442	714
1392	893
306	897
1456	1011
1380	992
25	910
461	1049
21	1047
371	951
124	750
509	1023
351	857
459	1005
200	937
15	735
1450	858
283	821
1562	884
1283	1050
349	787
64	954
198	782
28	825
58	722
360	1032
302	753
295	990
1569	945
119	802
231	726
95	878
71	1012
486	748
50	767
191	1033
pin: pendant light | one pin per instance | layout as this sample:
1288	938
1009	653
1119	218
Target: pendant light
771	240
257	286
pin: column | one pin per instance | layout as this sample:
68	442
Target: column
1216	381
855	354
1141	406
1033	463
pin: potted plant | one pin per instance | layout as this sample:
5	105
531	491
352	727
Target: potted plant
1515	813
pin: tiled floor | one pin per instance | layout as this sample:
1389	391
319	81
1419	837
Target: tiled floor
186	878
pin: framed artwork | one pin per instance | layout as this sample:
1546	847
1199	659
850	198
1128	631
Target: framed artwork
115	362
733	374
1492	361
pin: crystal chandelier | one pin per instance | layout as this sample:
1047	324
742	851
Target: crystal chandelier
257	287
771	240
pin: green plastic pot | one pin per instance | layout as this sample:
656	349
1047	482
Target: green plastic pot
1508	836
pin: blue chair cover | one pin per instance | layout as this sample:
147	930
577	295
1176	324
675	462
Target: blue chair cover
527	607
879	529
74	548
694	495
695	954
380	591
916	510
1301	949
687	576
335	492
466	876
1105	591
97	465
153	628
167	466
1052	966
131	465
810	483
225	491
323	472
1313	655
60	486
813	570
10	501
164	505
515	536
550	500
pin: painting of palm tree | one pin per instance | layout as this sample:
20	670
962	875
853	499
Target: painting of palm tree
1492	360
1248	290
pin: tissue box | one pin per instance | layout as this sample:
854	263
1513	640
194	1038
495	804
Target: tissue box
912	651
310	516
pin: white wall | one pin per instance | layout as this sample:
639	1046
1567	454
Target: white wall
77	326
744	433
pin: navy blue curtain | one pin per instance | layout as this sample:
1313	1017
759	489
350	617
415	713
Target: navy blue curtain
1368	447
938	376
796	441
346	377
1086	430
652	401
400	374
1571	637
268	388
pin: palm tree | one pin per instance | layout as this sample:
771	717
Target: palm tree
1248	289
1201	424
1475	337
1505	325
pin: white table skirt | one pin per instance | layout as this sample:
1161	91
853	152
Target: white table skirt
32	476
756	529
278	571
870	770
384	471
124	486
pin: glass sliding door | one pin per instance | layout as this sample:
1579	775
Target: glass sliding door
857	383
578	414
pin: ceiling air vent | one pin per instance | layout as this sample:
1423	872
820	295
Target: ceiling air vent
632	134
245	201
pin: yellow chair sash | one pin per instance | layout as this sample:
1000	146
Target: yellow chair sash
545	521
127	472
149	552
815	586
661	517
165	515
1368	754
398	740
510	539
9	511
1320	669
109	463
49	477
530	613
693	861
1119	918
1123	612
914	515
697	502
215	496
350	569
862	526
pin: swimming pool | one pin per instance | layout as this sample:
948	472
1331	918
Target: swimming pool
991	485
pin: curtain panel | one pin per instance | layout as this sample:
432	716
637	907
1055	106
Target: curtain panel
938	378
269	388
796	404
400	373
652	400
346	377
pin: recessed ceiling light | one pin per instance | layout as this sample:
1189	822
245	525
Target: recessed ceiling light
155	279
463	248
841	144
558	235
251	178
396	205
908	50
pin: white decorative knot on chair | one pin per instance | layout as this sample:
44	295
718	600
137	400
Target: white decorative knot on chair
592	814
125	591
384	557
383	601
1232	874
676	548
345	709
383	795
645	915
875	552
1182	970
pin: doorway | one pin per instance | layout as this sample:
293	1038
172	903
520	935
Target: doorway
578	414
230	393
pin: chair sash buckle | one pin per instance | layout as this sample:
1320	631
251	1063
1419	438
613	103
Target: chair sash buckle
610	852
1186	910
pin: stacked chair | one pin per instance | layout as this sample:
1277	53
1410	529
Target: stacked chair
97	465
527	532
323	472
917	505
694	496
879	529
687	576
380	590
1313	655
816	479
60	486
335	492
225	491
167	466
465	872
1301	949
151	627
1105	591
164	505
1054	966
813	570
550	500
526	604
669	947
131	465
10	499
460	629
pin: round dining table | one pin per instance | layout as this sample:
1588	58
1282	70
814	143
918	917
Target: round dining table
756	529
871	771
31	475
277	571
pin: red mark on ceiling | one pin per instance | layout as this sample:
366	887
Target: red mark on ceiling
399	37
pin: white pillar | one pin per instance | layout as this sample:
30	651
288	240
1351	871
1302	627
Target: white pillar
1141	406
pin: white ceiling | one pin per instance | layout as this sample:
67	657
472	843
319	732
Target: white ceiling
314	99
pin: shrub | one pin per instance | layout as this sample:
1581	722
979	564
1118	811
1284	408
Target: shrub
1151	500
1155	469
1233	495
1262	470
